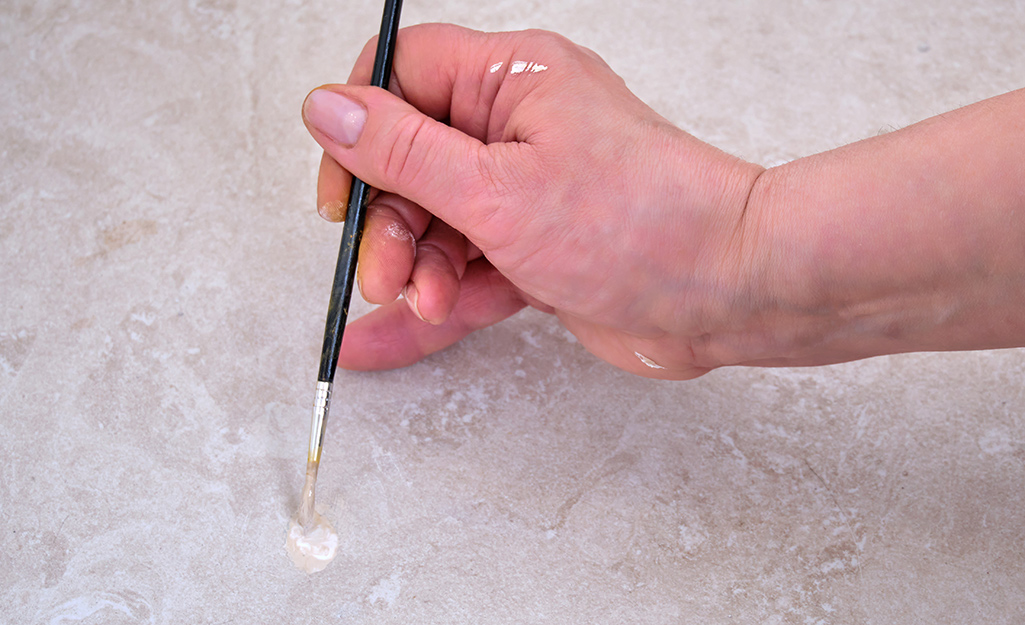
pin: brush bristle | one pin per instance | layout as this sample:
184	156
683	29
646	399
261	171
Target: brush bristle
306	504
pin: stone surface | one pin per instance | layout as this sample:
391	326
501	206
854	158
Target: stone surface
163	277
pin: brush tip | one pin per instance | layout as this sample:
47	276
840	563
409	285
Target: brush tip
308	497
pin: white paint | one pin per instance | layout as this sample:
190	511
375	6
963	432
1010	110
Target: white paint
313	550
396	231
497	66
529	67
648	361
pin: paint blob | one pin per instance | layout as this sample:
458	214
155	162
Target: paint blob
311	542
313	549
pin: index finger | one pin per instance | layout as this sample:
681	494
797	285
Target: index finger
455	74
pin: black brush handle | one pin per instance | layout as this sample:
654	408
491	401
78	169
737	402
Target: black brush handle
356	213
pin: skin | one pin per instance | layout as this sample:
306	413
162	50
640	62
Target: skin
561	190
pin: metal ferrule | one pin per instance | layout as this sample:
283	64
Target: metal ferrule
321	403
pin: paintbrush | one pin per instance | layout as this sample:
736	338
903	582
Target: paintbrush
345	275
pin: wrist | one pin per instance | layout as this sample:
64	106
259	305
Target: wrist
709	287
799	296
894	244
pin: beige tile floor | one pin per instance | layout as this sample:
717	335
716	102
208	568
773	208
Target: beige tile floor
163	279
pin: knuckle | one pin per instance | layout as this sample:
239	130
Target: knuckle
407	150
498	198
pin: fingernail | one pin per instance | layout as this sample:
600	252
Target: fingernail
411	296
335	115
359	285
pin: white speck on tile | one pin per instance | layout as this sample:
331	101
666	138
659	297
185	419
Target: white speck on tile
386	590
833	565
995	441
690	538
145	317
529	338
349	610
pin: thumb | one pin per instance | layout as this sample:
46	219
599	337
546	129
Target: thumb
392	146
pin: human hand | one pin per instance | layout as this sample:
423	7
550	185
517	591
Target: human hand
517	169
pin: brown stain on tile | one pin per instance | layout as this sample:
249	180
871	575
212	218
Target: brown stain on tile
83	323
57	556
124	234
127	233
611	466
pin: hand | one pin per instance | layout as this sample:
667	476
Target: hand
517	169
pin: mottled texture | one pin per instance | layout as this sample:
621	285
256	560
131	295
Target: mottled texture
164	275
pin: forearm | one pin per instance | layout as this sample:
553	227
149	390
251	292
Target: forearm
910	241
